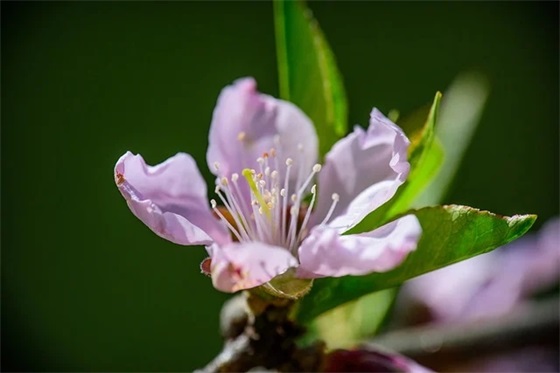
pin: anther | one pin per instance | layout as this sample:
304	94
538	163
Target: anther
224	181
289	162
217	166
335	197
317	168
213	203
241	136
234	177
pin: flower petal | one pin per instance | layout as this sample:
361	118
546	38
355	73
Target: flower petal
239	266
247	124
170	199
365	169
326	253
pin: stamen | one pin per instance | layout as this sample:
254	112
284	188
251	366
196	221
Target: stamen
316	168
276	198
284	206
335	197
231	227
242	209
232	211
290	239
302	229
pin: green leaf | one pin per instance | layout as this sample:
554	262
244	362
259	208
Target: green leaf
449	234
308	75
461	109
425	158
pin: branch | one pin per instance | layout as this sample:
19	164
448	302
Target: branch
531	322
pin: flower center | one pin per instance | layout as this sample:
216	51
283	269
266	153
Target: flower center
273	214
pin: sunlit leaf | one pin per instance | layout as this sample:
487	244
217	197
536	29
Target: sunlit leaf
308	74
450	234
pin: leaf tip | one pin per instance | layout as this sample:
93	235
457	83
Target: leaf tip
522	222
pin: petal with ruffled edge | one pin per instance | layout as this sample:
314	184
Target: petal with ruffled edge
170	199
239	266
365	169
326	253
245	125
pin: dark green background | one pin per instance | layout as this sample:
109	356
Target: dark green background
85	285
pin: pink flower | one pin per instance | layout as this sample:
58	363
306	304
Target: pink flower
263	152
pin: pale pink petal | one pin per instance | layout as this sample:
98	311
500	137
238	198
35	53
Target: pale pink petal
239	266
247	124
364	169
170	199
449	291
325	253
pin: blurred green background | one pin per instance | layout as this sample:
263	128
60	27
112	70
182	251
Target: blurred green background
85	285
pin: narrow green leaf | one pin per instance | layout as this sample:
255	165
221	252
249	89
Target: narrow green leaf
449	234
308	75
418	148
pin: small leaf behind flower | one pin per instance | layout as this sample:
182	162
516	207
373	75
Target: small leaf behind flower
307	70
450	234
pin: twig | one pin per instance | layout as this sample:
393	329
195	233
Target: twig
531	322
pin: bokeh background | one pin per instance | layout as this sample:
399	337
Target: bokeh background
85	285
